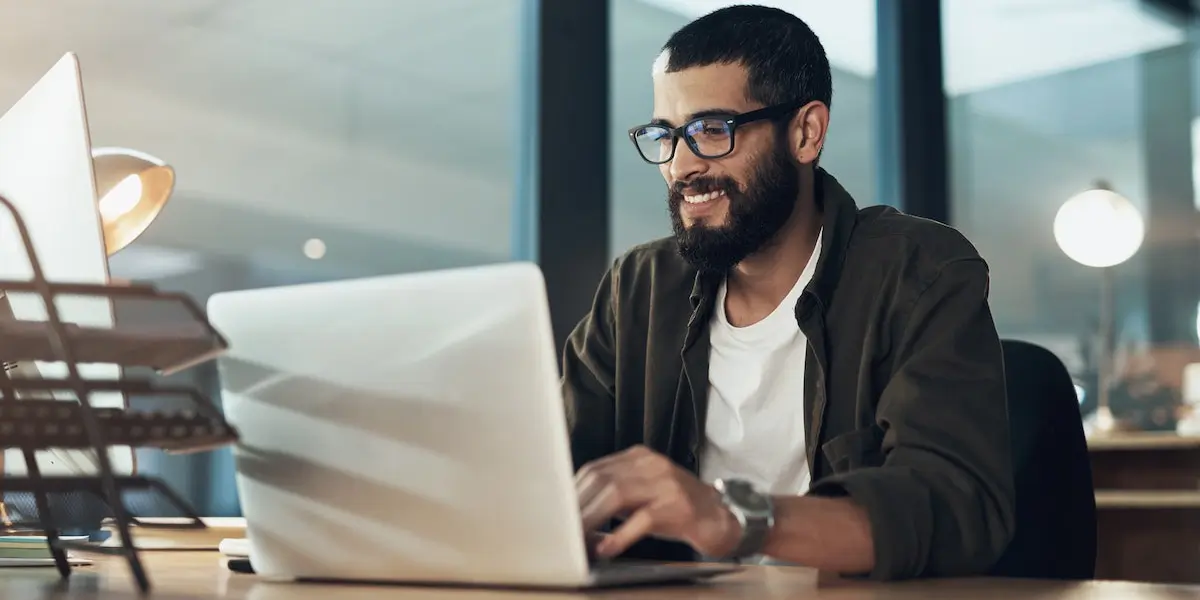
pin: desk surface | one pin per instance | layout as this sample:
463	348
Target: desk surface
1143	441
203	575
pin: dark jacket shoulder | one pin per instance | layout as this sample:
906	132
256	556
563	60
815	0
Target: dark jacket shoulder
893	236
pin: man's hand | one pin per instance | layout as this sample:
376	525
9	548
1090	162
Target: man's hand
656	498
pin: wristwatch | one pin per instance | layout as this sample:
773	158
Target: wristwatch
753	511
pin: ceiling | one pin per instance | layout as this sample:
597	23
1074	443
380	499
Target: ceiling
988	42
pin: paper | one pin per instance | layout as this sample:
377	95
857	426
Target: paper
41	562
234	547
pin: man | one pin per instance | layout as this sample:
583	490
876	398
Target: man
787	376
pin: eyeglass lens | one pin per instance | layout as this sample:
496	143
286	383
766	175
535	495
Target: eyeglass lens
708	138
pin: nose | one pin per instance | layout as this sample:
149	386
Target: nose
685	165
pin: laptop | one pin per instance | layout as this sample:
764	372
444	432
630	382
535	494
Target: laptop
409	428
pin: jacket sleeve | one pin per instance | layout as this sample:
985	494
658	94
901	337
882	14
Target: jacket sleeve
942	503
588	377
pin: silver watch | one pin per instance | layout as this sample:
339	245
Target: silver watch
754	512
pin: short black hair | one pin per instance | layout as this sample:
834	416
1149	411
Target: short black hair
784	60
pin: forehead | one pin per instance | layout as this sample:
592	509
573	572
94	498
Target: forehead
680	94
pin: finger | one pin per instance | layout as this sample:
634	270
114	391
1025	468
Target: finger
632	463
593	539
595	468
587	488
596	479
600	508
638	526
605	463
618	496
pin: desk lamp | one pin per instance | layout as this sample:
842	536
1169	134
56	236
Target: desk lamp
132	187
1100	228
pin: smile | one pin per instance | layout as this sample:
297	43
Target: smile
702	198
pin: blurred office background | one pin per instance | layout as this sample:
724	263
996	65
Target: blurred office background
329	139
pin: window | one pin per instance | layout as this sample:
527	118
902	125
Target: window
1090	93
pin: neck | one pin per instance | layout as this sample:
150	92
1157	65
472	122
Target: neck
770	273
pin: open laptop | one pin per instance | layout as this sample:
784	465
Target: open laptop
46	172
409	429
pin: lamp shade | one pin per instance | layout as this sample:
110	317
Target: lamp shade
132	188
1099	228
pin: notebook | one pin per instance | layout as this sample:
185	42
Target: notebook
32	551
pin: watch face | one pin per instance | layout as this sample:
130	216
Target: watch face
756	502
744	495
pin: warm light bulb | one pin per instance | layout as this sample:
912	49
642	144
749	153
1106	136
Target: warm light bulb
1099	228
121	199
314	249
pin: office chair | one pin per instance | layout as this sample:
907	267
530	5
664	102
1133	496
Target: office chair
1056	504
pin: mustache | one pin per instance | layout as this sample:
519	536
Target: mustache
703	185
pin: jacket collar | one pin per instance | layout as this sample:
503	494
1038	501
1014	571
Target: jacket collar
838	217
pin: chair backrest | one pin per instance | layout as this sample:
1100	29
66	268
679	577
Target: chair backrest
1056	504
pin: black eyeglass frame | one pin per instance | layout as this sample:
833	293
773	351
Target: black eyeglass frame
731	121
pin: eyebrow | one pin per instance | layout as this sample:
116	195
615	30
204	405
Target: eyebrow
708	112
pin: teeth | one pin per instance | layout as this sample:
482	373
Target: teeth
702	198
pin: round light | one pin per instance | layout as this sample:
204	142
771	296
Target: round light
314	249
1099	228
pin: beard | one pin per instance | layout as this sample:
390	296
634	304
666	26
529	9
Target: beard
755	213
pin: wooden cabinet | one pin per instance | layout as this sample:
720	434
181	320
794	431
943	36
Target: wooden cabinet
1147	507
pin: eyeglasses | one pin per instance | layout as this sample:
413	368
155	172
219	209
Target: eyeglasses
710	136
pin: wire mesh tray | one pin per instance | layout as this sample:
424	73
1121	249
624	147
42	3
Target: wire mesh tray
178	345
164	347
43	424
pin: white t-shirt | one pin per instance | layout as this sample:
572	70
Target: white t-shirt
755	424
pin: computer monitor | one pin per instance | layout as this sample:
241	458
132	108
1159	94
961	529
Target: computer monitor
46	172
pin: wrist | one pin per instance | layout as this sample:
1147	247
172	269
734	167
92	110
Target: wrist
751	517
729	533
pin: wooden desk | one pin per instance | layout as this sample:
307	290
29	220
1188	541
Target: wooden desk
203	575
1148	506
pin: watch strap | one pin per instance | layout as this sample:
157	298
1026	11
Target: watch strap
754	537
756	525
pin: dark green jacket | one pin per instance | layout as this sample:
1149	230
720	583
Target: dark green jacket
903	388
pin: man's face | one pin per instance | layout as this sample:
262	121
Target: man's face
724	209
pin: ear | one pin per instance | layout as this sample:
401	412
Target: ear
806	134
